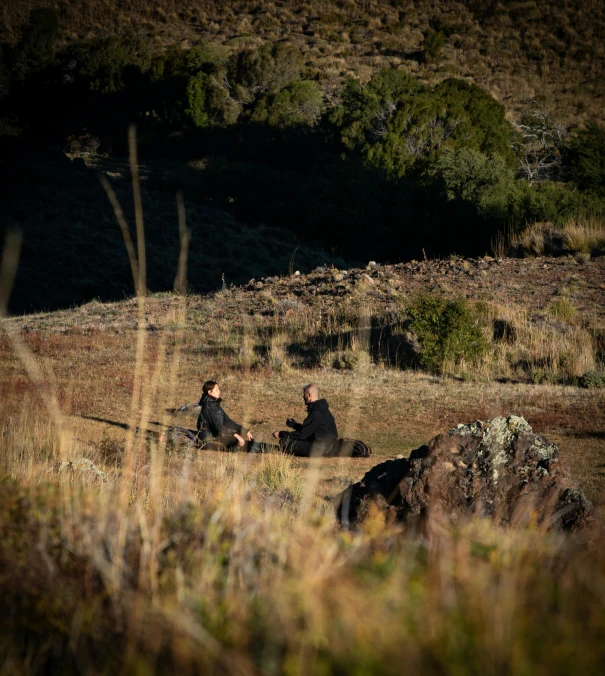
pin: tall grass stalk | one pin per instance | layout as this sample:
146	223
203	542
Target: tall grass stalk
585	235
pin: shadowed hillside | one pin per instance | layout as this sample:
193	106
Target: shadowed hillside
73	249
386	153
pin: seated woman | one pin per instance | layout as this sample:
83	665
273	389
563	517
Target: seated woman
215	428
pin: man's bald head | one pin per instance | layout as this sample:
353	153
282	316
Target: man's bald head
311	392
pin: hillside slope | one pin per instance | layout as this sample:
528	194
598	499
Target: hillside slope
542	320
516	50
73	250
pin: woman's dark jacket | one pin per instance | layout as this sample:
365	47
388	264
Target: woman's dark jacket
213	421
319	425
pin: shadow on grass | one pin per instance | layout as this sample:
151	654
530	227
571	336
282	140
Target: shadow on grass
386	342
153	434
585	434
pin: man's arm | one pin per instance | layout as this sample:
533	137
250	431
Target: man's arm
290	422
307	429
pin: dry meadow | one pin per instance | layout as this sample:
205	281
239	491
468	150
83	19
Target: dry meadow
146	556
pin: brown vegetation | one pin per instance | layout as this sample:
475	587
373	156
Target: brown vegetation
516	51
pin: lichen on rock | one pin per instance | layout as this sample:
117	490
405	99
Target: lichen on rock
497	468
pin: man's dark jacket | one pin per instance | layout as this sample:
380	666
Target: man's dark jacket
213	421
318	427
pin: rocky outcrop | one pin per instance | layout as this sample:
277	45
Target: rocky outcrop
498	469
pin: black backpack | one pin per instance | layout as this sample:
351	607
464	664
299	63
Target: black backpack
348	448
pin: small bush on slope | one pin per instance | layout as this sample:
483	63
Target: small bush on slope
446	330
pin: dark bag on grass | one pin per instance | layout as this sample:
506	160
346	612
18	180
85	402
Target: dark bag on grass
348	448
180	435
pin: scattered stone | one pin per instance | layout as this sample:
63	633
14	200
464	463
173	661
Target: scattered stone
498	469
79	465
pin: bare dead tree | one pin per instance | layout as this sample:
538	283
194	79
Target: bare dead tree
430	136
540	144
380	125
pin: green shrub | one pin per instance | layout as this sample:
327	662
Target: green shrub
546	202
542	376
394	121
592	379
210	102
471	175
267	69
447	330
105	64
433	44
586	155
197	97
178	63
352	360
297	104
40	37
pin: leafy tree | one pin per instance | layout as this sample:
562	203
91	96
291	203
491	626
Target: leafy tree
394	121
209	101
297	104
364	111
433	44
4	74
107	63
200	57
41	34
483	123
586	156
468	174
176	63
37	46
267	69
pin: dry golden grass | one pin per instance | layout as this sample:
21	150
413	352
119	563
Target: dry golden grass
232	562
582	236
585	235
556	346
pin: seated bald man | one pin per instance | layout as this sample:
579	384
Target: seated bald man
314	436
